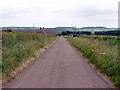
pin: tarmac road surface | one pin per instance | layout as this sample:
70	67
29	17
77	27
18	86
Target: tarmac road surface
59	67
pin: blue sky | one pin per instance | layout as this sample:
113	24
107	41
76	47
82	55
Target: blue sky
53	13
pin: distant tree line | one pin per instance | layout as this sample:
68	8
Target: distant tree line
42	28
113	33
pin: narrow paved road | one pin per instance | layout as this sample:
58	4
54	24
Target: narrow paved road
59	67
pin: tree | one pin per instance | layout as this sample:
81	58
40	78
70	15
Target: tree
40	28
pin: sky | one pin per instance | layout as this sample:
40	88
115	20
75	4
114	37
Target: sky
55	13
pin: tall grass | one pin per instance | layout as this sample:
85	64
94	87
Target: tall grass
102	52
17	47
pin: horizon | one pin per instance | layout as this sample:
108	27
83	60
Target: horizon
59	26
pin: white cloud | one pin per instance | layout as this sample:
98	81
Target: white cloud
59	12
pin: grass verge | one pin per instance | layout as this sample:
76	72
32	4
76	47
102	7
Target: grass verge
102	53
17	48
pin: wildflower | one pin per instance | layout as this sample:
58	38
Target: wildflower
107	54
110	51
23	47
20	45
103	53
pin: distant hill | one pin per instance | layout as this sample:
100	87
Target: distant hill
99	27
59	29
18	28
36	28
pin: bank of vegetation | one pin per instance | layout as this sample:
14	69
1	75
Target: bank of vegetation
17	47
102	51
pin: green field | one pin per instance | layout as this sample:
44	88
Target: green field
102	51
17	47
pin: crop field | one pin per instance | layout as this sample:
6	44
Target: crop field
102	51
17	47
